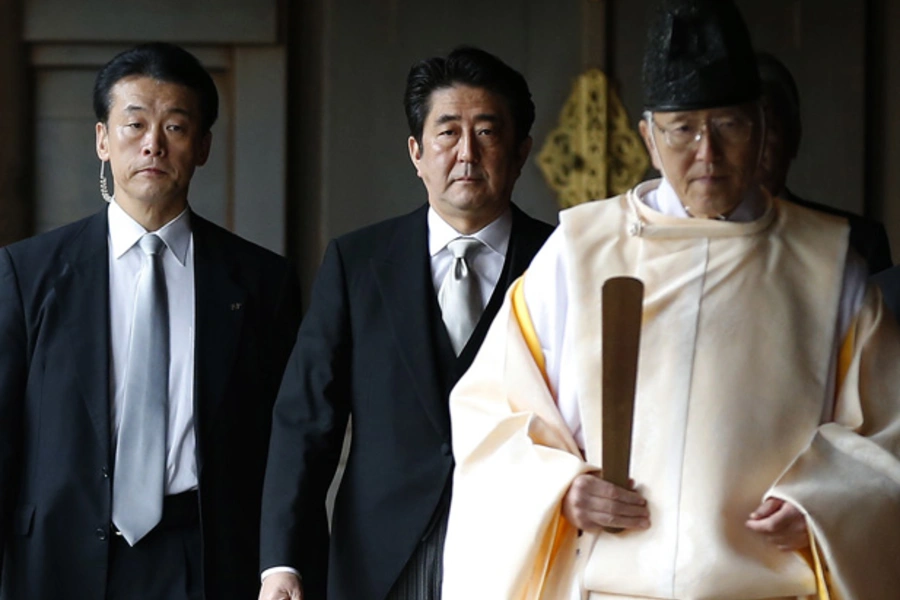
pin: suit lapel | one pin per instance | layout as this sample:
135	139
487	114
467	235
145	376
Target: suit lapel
526	238
524	241
404	281
219	315
82	292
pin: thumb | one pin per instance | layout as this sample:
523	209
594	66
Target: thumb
767	508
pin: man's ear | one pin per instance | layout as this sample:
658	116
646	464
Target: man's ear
205	146
647	136
795	141
102	141
415	153
524	150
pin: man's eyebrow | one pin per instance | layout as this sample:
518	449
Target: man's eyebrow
131	108
447	118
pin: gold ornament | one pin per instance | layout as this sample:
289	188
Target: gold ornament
594	153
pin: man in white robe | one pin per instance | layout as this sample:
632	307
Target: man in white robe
766	429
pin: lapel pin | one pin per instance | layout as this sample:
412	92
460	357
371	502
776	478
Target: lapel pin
236	306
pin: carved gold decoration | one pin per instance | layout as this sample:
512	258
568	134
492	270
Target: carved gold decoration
594	153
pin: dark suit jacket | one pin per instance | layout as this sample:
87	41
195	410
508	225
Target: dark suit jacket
867	236
889	282
55	456
368	346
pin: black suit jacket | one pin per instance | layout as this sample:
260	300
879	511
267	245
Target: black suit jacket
867	236
368	346
889	282
55	456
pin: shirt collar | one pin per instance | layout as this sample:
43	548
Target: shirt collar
668	202
752	206
124	232
495	235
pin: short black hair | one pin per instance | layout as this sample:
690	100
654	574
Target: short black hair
163	62
467	65
782	98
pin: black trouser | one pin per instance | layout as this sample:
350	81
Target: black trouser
166	563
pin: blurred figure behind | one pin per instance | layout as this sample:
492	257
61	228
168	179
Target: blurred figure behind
783	135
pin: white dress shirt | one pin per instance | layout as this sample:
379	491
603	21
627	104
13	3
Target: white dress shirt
486	262
125	262
547	303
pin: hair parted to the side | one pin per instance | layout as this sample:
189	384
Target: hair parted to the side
164	62
467	65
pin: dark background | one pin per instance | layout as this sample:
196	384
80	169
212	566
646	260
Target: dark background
312	142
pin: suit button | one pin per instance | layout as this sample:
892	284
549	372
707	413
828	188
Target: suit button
105	472
101	534
446	449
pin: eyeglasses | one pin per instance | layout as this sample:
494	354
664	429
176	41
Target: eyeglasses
730	130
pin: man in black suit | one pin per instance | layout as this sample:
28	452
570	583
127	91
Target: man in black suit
889	282
386	339
143	340
783	134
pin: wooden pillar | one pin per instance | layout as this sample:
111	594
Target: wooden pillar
882	123
304	238
596	35
15	147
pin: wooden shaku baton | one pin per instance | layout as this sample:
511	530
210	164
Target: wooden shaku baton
622	303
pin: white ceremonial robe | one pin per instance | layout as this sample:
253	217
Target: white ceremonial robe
739	366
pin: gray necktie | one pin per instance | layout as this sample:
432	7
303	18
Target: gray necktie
140	466
459	296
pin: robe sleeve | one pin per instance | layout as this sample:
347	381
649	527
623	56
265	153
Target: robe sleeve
847	482
515	459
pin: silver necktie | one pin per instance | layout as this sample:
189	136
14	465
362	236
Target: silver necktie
459	296
140	467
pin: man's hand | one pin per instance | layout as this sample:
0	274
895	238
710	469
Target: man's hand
781	523
592	503
281	586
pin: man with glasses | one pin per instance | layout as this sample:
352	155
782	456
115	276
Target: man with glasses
765	436
707	160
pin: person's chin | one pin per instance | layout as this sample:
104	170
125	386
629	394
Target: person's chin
469	199
711	185
158	196
711	189
707	204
